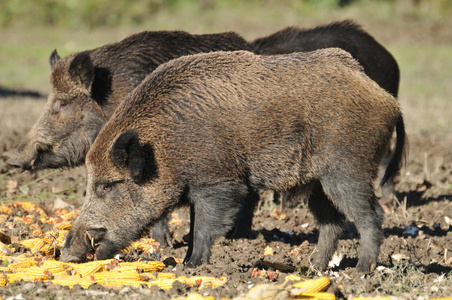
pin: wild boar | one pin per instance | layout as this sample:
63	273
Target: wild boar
212	129
378	63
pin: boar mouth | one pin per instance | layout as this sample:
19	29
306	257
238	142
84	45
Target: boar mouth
93	238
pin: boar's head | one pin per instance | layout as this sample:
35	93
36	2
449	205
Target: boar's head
70	120
125	196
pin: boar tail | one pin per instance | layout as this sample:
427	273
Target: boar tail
398	155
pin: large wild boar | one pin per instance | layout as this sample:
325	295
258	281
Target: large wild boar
212	129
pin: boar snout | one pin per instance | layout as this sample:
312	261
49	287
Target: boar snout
91	241
27	153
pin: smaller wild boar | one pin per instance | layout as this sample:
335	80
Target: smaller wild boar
377	62
212	129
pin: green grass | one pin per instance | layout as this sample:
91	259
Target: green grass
425	89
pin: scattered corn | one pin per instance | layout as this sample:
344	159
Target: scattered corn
311	286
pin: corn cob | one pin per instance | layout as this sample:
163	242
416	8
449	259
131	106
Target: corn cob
317	296
128	275
116	282
47	249
90	268
311	286
162	275
3	279
29	206
70	282
150	266
37	246
30	242
13	277
37	273
22	264
203	281
54	266
64	226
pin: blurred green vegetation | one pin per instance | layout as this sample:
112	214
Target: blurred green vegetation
98	13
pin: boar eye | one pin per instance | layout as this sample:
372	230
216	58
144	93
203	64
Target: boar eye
106	188
60	105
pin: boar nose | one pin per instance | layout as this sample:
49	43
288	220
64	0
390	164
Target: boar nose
13	162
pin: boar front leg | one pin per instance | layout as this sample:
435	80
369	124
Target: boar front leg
214	210
161	233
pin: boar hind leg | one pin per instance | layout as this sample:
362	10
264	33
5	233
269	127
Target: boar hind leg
357	201
331	223
214	211
161	233
243	225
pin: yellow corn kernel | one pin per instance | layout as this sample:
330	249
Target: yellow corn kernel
317	296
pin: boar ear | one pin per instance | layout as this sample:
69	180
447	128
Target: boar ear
54	57
81	70
128	153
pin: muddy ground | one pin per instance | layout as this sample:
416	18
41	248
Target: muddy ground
415	258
